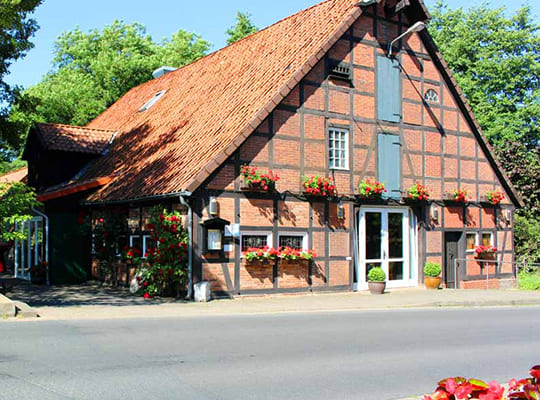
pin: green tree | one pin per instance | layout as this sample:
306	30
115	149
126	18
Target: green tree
16	28
16	200
92	70
244	27
496	61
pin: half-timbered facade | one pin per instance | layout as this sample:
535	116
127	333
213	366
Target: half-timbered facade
315	94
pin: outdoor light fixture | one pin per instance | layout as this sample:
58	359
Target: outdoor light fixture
417	27
340	211
434	213
366	3
506	216
213	207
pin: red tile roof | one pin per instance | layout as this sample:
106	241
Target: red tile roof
19	175
74	139
211	105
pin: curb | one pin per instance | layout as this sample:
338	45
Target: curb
7	308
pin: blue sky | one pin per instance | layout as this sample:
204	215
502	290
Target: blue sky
162	18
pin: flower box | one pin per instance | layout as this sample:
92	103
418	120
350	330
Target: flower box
458	196
254	180
494	198
485	252
260	255
317	186
371	189
417	193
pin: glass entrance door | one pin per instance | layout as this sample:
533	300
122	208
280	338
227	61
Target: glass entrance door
384	242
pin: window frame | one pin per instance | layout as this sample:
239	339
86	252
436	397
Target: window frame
346	132
268	234
438	98
144	239
491	238
304	236
476	236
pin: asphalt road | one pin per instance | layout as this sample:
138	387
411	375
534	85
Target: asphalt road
348	355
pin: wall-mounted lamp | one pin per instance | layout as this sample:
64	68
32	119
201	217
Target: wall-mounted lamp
417	27
213	207
340	211
366	3
434	213
505	216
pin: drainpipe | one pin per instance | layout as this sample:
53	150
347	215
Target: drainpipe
46	239
190	243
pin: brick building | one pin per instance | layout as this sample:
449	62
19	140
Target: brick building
315	94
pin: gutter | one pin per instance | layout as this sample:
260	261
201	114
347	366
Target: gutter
184	202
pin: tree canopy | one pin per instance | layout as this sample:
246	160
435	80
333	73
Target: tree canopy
496	60
16	200
16	29
244	27
91	70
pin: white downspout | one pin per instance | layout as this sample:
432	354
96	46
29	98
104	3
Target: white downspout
190	245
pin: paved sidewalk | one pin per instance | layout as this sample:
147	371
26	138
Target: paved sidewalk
91	301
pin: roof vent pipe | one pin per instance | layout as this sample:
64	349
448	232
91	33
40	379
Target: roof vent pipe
162	71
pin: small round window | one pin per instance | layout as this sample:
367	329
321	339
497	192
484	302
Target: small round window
431	96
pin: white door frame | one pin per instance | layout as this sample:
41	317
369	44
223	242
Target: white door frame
409	247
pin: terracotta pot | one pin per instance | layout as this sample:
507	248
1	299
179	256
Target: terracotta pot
377	287
432	283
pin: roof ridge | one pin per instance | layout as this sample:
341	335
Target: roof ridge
75	127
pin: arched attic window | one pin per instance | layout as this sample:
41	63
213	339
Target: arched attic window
431	96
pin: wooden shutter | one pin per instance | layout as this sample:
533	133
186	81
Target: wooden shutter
389	164
388	90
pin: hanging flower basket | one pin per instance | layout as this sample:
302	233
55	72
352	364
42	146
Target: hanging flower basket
371	189
318	186
254	180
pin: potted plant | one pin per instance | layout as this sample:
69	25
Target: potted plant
432	275
494	197
319	186
371	189
418	192
253	179
485	252
376	280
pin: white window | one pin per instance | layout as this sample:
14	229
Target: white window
152	101
338	149
255	239
297	241
143	244
487	239
472	241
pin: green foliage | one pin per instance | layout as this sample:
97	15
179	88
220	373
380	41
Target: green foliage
244	27
527	238
529	279
376	274
16	28
496	61
92	70
166	271
16	199
8	166
432	269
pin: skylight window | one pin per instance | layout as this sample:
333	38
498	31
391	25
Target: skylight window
152	101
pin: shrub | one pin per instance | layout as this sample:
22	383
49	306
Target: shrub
376	275
432	269
529	279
